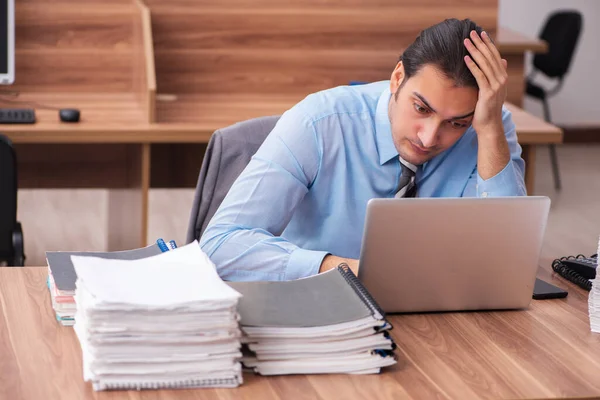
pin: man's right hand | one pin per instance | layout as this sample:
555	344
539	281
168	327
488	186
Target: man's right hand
330	262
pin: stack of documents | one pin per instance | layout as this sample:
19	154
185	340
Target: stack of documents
594	299
166	321
327	323
61	276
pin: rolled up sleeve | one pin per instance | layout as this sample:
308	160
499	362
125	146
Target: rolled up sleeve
510	180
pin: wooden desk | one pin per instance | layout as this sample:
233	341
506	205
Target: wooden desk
532	131
543	352
511	42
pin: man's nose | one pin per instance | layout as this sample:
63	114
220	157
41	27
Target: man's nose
428	134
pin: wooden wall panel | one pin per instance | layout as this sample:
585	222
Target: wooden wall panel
176	165
304	29
72	47
298	47
73	165
297	4
53	3
65	26
71	71
260	72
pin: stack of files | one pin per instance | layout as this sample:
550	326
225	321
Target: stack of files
326	323
594	299
61	276
166	321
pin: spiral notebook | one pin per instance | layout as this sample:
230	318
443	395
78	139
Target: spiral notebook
63	272
62	276
326	323
328	299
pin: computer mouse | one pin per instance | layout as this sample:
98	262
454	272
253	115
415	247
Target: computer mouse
69	115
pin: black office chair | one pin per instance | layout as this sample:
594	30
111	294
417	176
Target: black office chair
561	31
11	233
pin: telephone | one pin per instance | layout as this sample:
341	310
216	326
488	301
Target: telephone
578	269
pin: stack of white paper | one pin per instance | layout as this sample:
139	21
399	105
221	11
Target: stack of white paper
166	321
594	300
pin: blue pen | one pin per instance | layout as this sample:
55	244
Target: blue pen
173	244
162	245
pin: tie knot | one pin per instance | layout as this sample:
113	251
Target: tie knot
406	184
408	169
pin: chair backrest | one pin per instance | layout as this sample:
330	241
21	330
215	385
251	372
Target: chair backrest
561	31
8	197
228	152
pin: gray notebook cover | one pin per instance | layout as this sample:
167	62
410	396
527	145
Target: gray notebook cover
323	299
63	271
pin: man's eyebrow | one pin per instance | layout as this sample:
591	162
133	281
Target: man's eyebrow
432	109
462	116
424	101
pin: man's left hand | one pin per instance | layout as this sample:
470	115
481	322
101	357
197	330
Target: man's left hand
492	78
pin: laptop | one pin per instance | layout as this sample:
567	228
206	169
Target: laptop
452	254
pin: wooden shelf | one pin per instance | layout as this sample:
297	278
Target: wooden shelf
211	112
113	118
96	109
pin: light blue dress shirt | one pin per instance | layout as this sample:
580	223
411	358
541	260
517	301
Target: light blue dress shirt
304	193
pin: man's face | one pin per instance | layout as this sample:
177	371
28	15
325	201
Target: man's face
428	114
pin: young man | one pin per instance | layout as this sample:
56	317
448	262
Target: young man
436	129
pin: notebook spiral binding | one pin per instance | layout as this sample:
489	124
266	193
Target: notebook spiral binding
360	290
183	384
570	275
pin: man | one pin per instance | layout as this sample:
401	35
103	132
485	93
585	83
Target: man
436	129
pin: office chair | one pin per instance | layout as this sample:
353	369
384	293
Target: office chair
227	154
561	31
11	233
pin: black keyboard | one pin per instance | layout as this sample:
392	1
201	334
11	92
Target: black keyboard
17	116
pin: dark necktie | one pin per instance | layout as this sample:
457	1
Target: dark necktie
406	184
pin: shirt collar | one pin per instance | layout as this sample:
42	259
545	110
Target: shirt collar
410	166
383	129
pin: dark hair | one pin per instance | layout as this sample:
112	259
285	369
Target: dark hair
442	45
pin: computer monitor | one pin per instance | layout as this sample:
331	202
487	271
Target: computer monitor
7	42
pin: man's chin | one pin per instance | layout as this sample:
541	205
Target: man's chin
417	157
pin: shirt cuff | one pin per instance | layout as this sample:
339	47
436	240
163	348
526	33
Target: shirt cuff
505	183
303	263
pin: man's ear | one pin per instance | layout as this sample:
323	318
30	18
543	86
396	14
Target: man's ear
397	77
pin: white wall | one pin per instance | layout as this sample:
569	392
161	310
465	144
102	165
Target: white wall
578	102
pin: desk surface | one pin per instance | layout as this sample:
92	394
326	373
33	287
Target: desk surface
543	352
512	42
119	119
